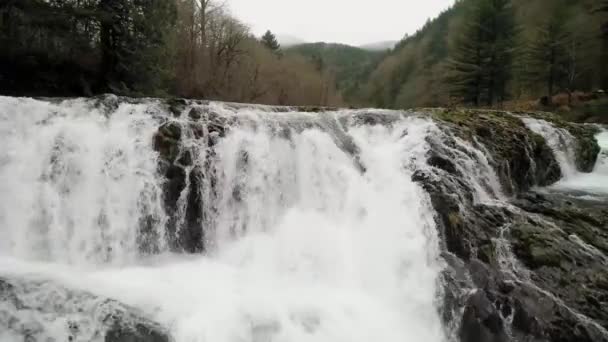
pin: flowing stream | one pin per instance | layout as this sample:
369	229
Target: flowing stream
311	249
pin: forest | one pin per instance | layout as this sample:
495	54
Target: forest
499	53
183	48
489	53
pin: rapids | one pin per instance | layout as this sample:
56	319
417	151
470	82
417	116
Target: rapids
313	250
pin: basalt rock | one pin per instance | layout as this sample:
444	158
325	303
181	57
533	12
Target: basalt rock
533	271
565	246
521	158
184	173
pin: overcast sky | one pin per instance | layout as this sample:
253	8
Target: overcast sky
353	22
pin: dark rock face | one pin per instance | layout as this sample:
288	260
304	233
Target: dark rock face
137	333
587	148
178	143
569	258
27	305
521	158
532	271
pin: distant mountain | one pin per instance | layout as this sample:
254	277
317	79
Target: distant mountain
350	65
379	46
287	40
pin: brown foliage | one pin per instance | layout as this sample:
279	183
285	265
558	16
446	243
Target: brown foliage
218	59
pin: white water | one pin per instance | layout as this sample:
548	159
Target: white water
74	183
562	143
314	251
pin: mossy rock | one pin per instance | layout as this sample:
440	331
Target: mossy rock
487	253
537	246
522	159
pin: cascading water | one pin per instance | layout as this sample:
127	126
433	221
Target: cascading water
601	167
305	246
562	143
76	184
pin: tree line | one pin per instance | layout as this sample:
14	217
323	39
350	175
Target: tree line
478	52
185	48
486	52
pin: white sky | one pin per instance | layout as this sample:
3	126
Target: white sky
353	22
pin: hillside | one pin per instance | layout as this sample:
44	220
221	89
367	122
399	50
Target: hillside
548	47
380	46
351	66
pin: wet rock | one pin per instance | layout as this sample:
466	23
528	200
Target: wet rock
567	250
137	333
184	174
177	106
514	275
166	141
481	322
538	272
521	158
442	163
39	309
196	114
586	148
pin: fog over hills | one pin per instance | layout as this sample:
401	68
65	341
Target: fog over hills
287	40
378	46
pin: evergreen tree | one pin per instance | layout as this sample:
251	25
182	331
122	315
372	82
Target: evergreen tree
270	41
603	10
466	67
546	56
80	47
135	49
480	66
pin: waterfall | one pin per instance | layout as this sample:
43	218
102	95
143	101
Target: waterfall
303	244
560	141
195	221
563	145
601	167
78	184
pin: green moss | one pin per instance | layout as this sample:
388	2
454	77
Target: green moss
487	253
545	256
537	246
600	280
539	140
455	219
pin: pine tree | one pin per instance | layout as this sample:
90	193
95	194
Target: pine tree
480	66
603	9
134	44
546	55
465	68
501	42
270	41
